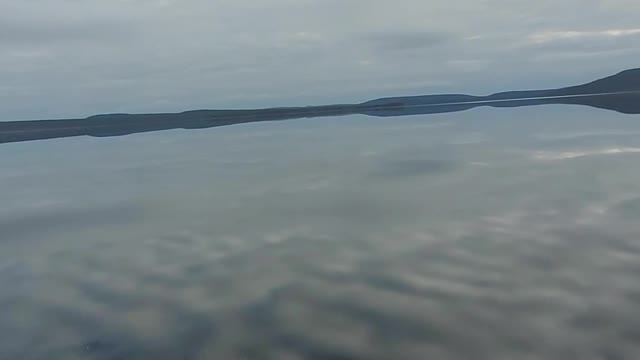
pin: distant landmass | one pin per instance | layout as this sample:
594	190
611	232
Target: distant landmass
620	92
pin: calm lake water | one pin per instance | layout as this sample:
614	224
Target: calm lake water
487	234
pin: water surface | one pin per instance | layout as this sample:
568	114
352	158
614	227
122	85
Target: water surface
487	234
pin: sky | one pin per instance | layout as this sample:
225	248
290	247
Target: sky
71	58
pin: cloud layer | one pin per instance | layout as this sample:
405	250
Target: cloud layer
66	58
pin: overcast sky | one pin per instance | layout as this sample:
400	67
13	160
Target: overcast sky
72	58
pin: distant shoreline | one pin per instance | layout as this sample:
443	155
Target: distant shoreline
620	92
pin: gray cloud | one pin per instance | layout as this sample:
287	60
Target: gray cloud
22	34
406	40
414	167
628	209
64	58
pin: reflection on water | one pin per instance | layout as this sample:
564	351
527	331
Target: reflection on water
342	239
